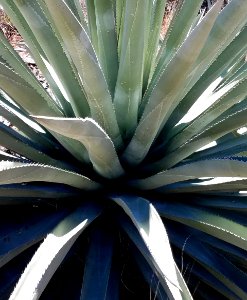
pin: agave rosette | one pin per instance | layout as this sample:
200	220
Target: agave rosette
122	141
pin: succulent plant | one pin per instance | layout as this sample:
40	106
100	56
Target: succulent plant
126	178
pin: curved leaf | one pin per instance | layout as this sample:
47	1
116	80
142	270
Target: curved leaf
153	233
227	26
42	27
150	276
15	62
232	54
20	90
83	55
99	145
179	28
14	141
206	221
36	50
228	167
225	98
7	156
226	272
52	251
15	172
20	236
223	125
164	96
18	118
234	145
21	193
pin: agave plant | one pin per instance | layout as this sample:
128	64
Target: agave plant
126	178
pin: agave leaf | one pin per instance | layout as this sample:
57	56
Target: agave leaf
234	110
41	25
92	24
20	236
183	237
75	148
236	73
15	172
15	62
79	12
107	40
225	167
227	26
205	292
82	53
98	144
216	264
231	252
12	140
217	184
78	151
120	13
179	28
232	54
232	16
225	98
233	119
232	203
128	92
157	11
98	266
26	125
201	219
37	52
139	242
235	255
9	279
213	186
72	7
76	8
52	251
33	192
114	284
234	145
152	231
120	4
26	149
172	80
211	280
18	89
7	156
149	276
229	23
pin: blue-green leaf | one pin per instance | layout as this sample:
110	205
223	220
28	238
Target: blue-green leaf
206	221
17	237
100	148
52	251
17	172
81	51
228	167
166	92
152	231
107	41
98	266
128	91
